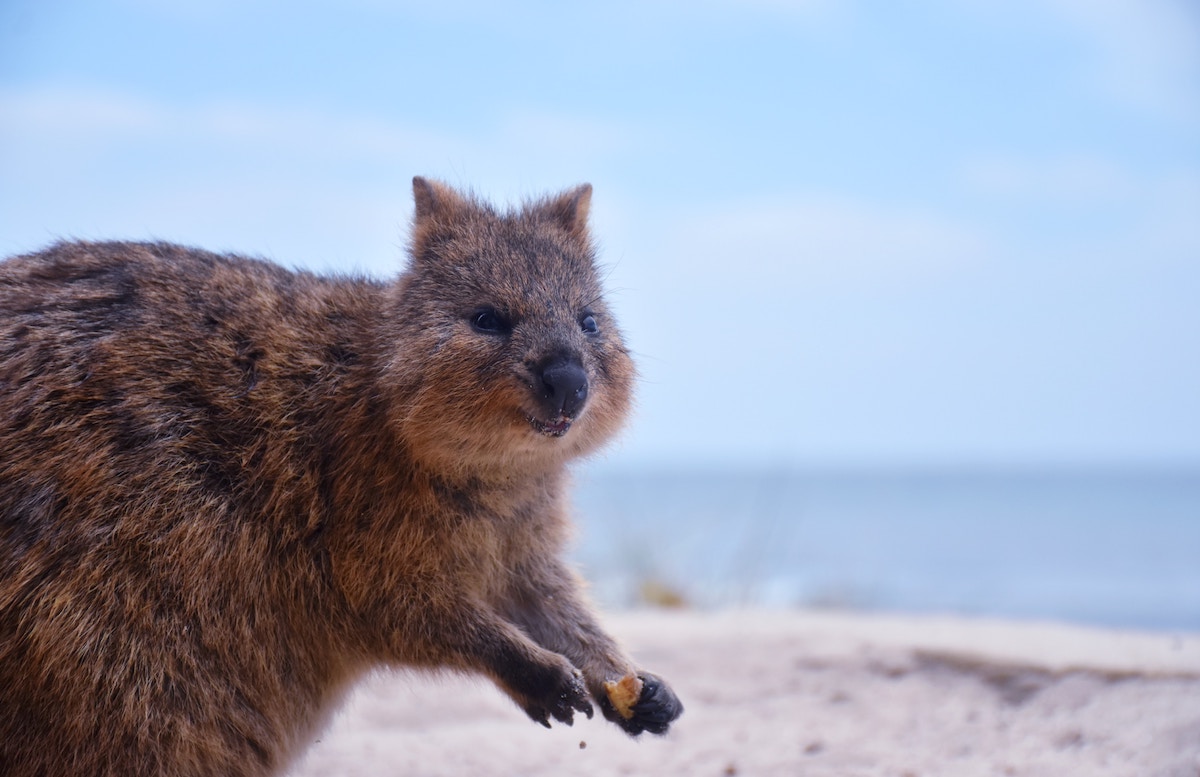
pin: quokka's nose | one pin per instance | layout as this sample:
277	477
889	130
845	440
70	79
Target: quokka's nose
564	386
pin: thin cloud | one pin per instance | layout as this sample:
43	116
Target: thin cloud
63	111
829	237
1070	179
1147	52
1134	217
99	115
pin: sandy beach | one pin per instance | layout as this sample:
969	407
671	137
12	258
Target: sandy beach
816	694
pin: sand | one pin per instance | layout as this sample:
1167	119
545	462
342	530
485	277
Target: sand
816	694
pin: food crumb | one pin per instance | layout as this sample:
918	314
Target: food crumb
624	694
582	745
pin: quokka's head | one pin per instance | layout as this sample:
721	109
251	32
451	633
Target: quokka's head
503	352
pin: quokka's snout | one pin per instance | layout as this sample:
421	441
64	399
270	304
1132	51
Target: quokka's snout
562	385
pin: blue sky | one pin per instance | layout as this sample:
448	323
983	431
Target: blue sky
951	232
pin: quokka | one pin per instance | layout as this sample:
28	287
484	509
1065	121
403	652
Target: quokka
228	490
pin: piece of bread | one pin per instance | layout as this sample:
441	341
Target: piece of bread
624	693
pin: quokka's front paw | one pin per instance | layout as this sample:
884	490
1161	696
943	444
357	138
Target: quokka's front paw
654	710
559	696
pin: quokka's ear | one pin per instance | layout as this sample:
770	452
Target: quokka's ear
570	210
435	201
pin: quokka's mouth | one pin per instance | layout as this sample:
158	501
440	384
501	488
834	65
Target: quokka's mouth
551	429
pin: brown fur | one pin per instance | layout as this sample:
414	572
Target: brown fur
227	490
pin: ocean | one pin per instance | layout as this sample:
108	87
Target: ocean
1112	548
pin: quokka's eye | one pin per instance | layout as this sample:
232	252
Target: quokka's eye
490	322
588	324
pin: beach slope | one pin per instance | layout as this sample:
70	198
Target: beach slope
812	693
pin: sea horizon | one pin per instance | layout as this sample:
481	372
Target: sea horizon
1107	545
